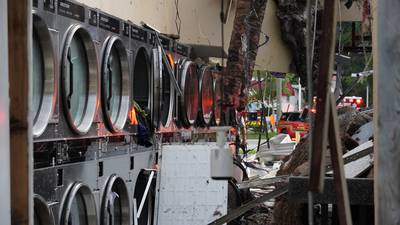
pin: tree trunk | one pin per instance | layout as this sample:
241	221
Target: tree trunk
248	22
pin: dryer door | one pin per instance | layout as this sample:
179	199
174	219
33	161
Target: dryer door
42	214
206	95
115	208
79	80
115	85
79	206
189	102
43	73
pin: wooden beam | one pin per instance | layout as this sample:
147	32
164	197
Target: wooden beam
19	35
320	129
335	148
386	32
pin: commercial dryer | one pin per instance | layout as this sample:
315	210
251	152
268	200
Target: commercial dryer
44	65
167	87
79	89
64	158
43	85
187	105
146	73
114	74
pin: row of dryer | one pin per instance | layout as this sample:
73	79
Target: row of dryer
88	66
88	69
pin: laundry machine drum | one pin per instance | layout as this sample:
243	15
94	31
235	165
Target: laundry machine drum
141	79
42	84
42	215
115	86
190	88
79	79
206	95
115	206
79	207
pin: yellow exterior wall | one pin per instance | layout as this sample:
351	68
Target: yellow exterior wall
201	24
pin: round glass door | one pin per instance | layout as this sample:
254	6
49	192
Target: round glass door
79	80
206	96
42	215
114	85
42	84
115	207
79	207
190	89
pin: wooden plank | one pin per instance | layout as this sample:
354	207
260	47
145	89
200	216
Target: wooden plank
320	129
19	33
246	207
263	182
386	34
4	119
335	148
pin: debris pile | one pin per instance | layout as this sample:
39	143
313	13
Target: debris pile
356	135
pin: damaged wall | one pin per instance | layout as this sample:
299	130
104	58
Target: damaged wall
201	24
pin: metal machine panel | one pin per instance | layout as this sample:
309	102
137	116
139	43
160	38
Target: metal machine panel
187	194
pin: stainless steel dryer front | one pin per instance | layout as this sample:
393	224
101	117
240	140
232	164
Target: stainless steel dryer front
66	180
188	78
114	73
78	69
146	73
43	85
44	65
